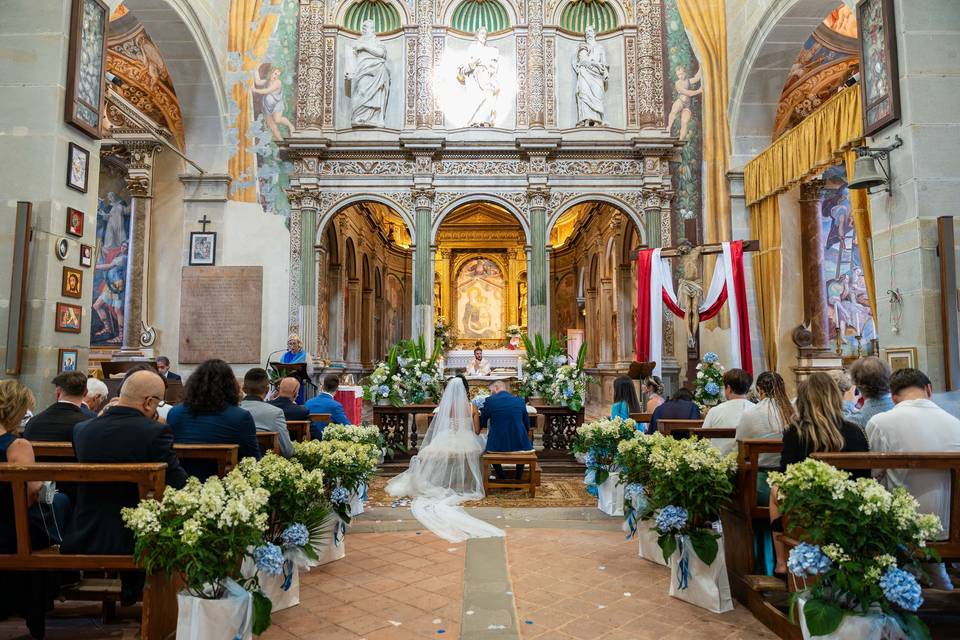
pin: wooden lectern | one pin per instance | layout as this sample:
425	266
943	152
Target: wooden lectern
296	370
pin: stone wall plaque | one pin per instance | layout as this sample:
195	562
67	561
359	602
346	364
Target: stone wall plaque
220	312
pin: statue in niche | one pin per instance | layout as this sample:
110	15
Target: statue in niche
592	74
368	85
479	72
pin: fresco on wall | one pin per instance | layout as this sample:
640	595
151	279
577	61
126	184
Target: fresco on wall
480	288
110	265
849	304
684	94
564	305
261	83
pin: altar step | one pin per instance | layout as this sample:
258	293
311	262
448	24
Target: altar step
549	466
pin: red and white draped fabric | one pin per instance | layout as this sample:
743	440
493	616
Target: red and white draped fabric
655	289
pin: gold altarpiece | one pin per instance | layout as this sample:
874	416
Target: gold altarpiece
481	274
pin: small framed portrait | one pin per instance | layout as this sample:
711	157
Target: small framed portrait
901	357
68	318
67	360
63	248
78	164
880	81
203	248
72	284
74	222
86	255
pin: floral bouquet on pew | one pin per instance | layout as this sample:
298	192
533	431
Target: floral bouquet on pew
345	466
596	444
633	460
202	533
861	547
708	386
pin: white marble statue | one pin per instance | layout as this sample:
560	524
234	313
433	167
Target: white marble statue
479	72
368	85
592	71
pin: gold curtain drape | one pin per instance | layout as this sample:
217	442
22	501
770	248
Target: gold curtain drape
826	135
248	38
706	24
767	268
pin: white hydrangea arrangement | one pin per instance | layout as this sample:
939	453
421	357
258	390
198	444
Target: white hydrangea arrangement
548	375
345	466
363	434
409	375
859	539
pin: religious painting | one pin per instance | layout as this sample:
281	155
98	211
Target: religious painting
849	304
71	284
74	222
261	79
203	248
901	357
67	360
68	318
86	255
86	60
110	258
78	163
880	79
480	296
565	304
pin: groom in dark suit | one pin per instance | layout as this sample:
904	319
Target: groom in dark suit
508	421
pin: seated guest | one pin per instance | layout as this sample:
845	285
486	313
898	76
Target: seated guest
769	417
56	422
847	390
819	427
736	387
27	594
286	399
256	384
209	415
872	377
479	366
126	433
653	388
163	366
916	424
97	393
680	407
624	398
325	403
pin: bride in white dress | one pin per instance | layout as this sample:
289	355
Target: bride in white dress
447	472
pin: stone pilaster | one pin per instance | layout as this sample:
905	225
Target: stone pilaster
811	254
335	346
307	312
535	65
538	274
422	320
353	320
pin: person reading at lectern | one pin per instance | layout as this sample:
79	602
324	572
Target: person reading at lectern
295	354
479	366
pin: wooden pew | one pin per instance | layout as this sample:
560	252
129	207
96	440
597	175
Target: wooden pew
666	425
641	418
225	455
299	430
268	441
159	615
681	431
319	417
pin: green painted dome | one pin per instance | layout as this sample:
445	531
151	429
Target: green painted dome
580	14
384	15
470	15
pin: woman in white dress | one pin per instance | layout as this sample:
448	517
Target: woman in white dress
447	472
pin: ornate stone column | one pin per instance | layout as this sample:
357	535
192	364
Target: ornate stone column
535	65
367	327
625	299
606	328
590	327
422	320
424	77
140	185
811	251
308	275
538	273
651	223
335	346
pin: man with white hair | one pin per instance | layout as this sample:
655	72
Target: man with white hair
97	393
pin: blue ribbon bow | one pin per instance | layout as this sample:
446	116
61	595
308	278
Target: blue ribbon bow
683	567
287	574
339	531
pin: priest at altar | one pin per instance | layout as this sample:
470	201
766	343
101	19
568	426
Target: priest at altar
478	366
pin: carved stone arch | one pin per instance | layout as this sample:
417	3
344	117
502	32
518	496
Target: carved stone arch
332	203
561	202
555	9
517	210
342	5
513	10
626	243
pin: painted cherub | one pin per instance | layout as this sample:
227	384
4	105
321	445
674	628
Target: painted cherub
681	106
267	84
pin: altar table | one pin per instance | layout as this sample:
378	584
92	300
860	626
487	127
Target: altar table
352	400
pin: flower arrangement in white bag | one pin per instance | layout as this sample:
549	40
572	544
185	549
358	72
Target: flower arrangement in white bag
596	442
345	467
859	539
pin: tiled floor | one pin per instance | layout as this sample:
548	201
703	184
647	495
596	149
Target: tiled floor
571	583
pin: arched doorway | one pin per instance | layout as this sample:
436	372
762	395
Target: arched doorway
364	273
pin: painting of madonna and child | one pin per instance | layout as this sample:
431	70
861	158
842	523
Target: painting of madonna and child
480	296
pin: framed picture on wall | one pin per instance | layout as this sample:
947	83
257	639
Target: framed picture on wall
86	255
71	285
78	165
203	248
68	318
879	77
74	222
901	357
86	64
63	248
67	360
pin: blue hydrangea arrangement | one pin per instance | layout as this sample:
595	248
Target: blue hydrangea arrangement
269	559
708	389
808	560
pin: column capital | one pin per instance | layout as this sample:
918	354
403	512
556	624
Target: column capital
538	196
138	155
423	197
810	190
303	198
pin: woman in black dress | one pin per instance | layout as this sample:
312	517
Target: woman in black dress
818	428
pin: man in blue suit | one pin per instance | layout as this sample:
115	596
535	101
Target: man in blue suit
508	422
324	403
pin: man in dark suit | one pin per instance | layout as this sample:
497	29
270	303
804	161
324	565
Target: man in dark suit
163	366
56	422
508	422
126	433
324	403
286	399
680	407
